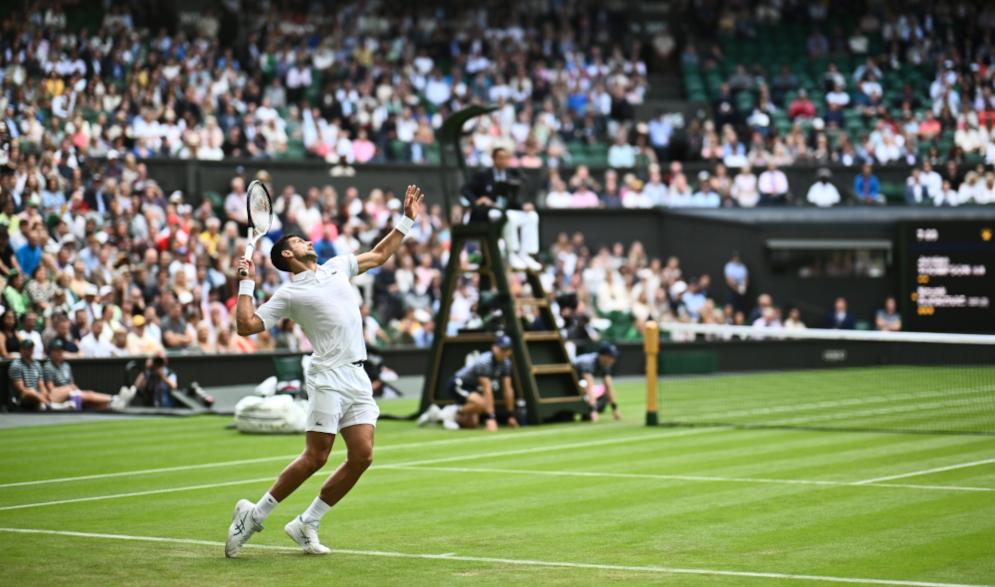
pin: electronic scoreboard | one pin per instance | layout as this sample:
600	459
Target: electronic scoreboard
947	273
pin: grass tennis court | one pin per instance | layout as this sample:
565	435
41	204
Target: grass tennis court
565	504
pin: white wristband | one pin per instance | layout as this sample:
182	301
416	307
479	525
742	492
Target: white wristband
247	287
404	225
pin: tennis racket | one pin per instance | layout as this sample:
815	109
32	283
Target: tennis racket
260	213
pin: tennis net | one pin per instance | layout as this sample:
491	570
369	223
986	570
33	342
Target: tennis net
827	379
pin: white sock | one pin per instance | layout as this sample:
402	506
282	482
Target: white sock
263	507
314	512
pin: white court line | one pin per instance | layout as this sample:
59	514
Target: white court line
927	471
647	569
706	478
536	449
219	464
552	447
842	403
845	415
133	494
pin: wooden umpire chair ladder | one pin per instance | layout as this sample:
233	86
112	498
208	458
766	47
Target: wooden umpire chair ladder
542	373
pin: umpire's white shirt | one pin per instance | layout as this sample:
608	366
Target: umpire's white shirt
323	302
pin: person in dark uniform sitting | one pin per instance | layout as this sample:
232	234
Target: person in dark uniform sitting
491	191
599	364
472	391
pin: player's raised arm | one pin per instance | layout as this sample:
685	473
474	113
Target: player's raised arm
390	243
246	320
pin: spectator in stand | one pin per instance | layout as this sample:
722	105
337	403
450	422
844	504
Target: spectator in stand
660	131
141	340
558	196
584	197
770	318
794	320
948	195
655	189
737	277
15	295
773	186
932	180
10	344
706	196
823	193
867	187
8	260
621	154
680	192
888	319
970	191
95	344
839	318
801	106
916	192
745	191
930	127
29	255
724	107
633	195
177	333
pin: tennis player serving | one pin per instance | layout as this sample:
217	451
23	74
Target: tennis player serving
340	398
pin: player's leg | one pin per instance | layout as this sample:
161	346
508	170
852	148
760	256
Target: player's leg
359	413
324	411
359	457
303	529
309	462
249	517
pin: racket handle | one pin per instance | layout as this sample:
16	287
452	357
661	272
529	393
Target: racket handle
250	248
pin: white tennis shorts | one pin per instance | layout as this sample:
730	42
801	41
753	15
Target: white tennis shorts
339	398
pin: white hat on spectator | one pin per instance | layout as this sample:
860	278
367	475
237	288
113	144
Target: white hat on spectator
678	289
394	204
185	297
90	290
422	316
106	290
113	154
102	237
176	197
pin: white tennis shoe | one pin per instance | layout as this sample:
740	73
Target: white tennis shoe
432	415
306	536
243	526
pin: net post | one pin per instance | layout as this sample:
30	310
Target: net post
651	347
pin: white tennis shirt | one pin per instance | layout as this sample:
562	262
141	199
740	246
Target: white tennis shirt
323	303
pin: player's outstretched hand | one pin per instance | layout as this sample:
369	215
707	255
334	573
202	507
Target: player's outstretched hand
412	201
246	266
